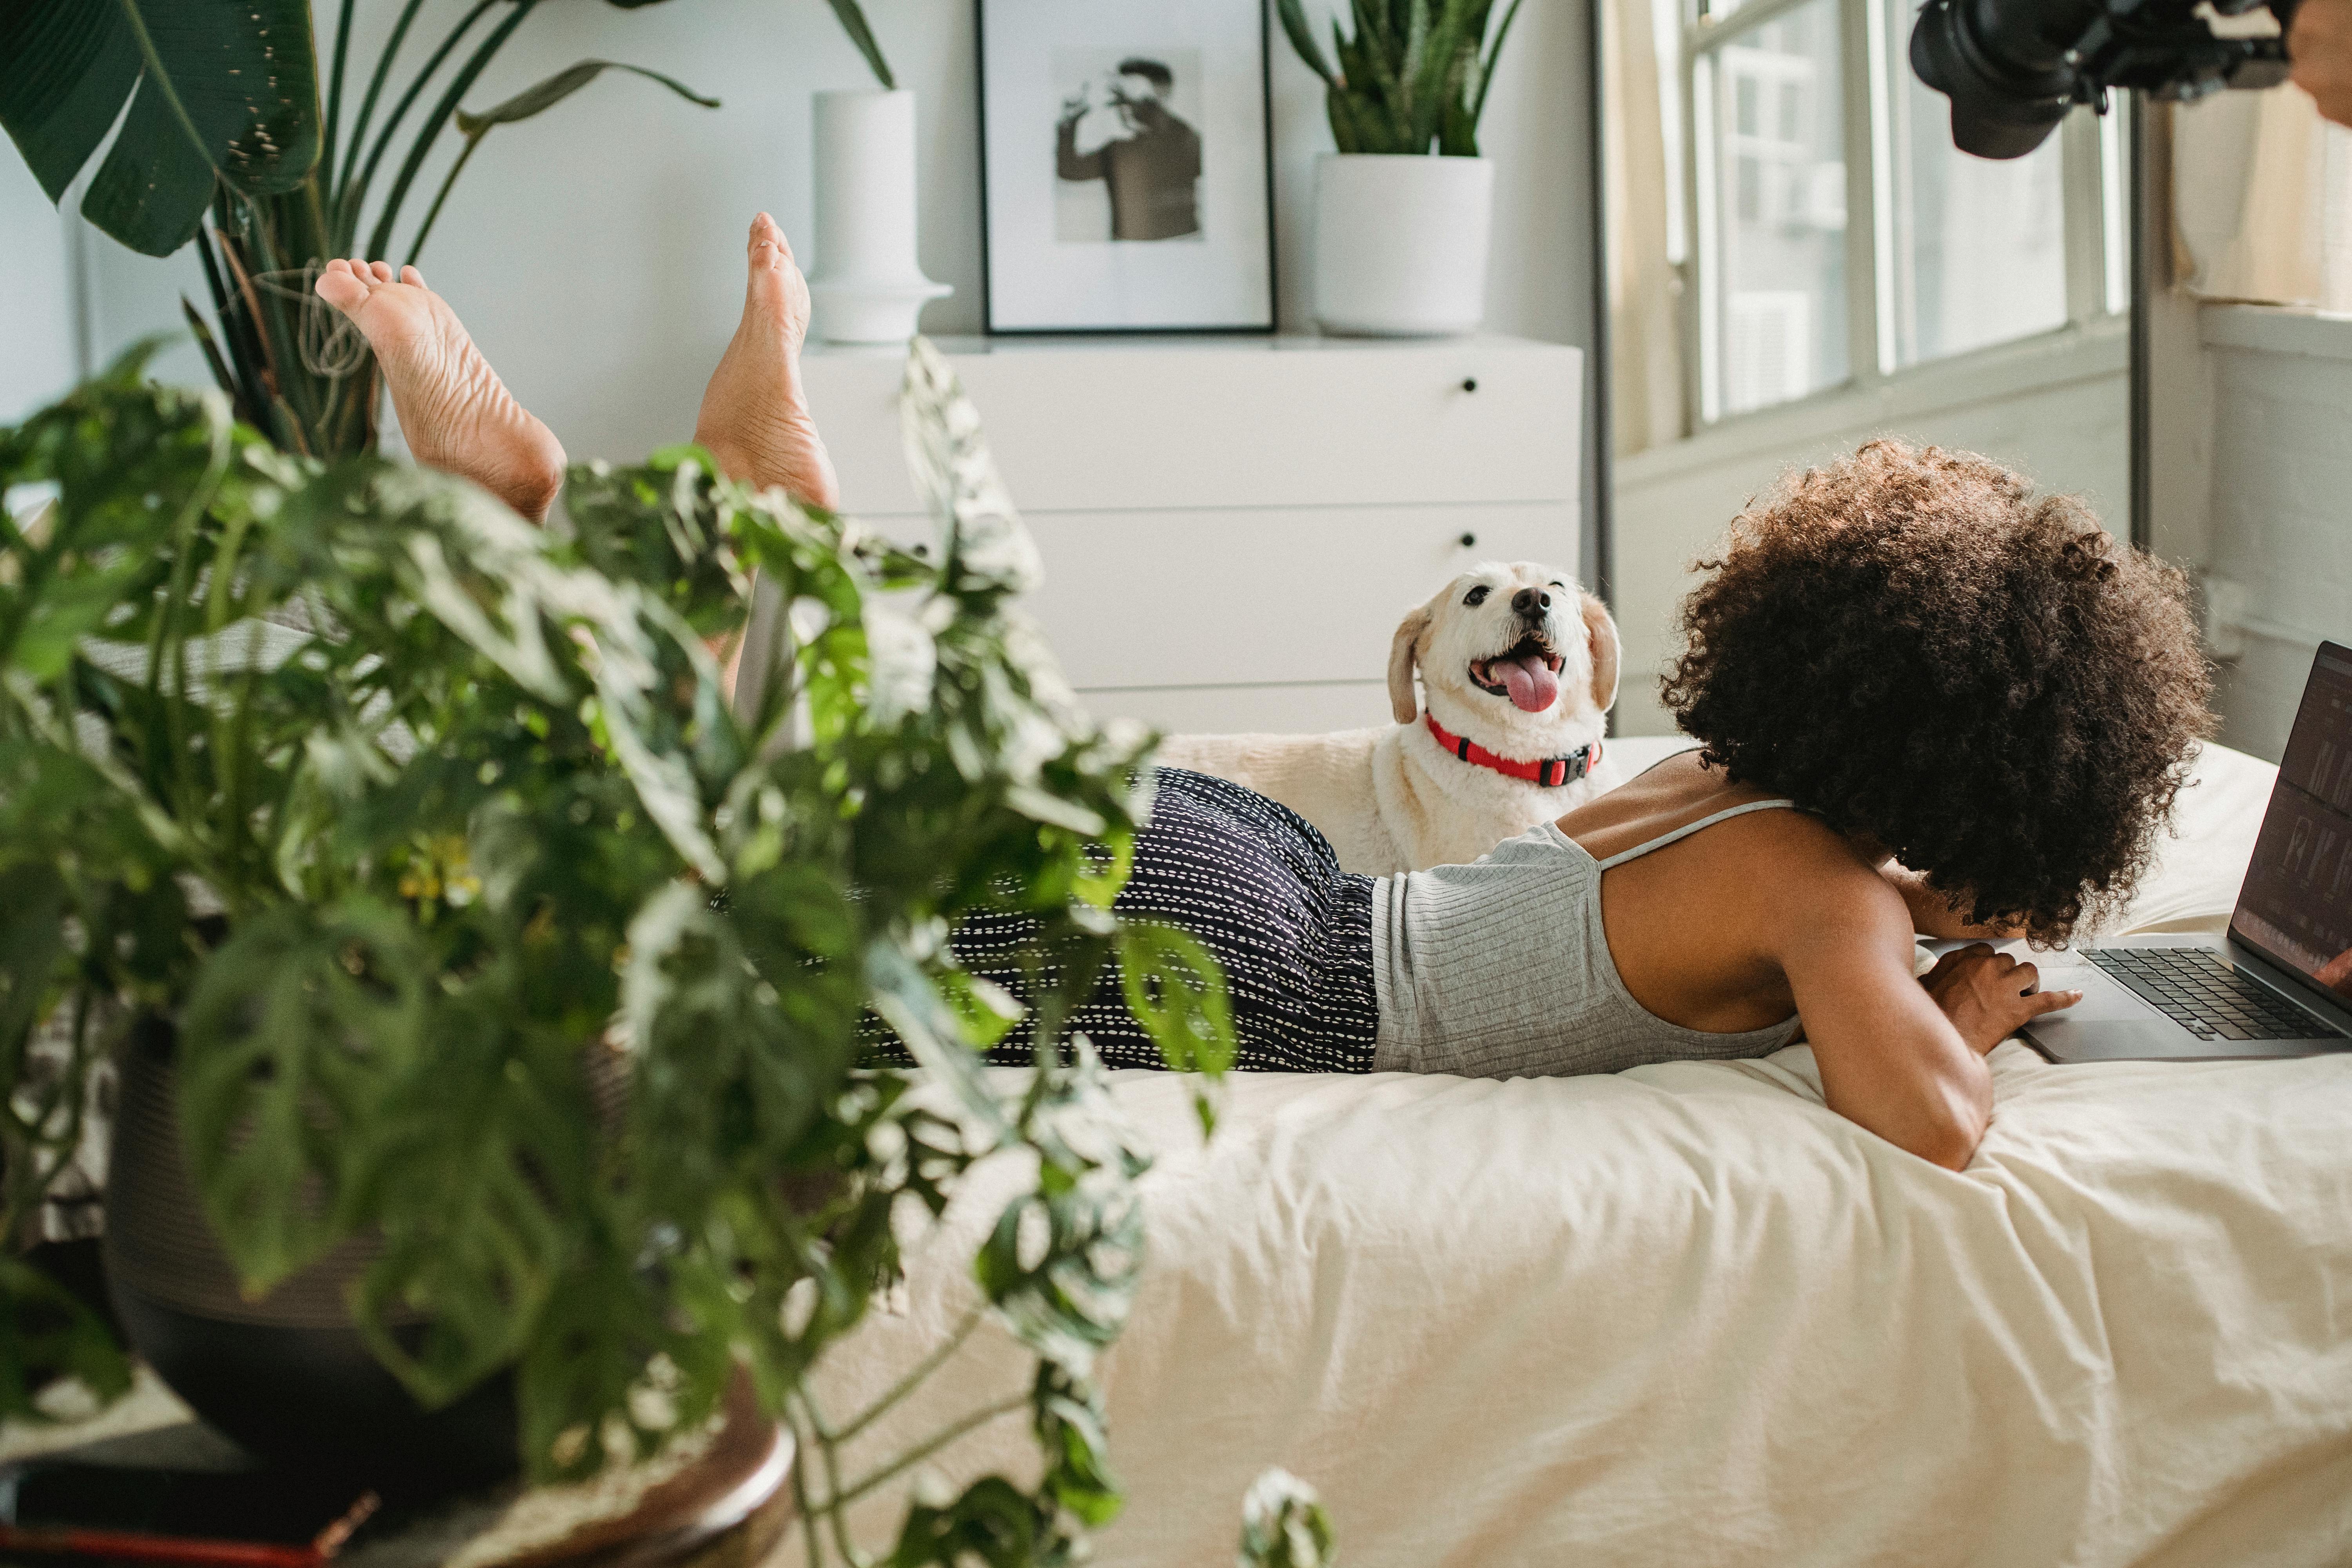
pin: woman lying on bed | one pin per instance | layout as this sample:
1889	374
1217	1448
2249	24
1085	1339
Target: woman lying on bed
1925	700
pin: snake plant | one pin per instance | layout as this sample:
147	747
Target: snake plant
1414	75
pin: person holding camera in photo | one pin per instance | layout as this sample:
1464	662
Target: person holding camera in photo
1151	162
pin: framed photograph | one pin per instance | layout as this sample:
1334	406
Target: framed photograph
1127	166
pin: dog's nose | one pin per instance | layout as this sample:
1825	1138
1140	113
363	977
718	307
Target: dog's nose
1531	602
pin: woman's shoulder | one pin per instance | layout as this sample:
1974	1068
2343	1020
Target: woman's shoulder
1678	800
1815	880
1752	846
1666	789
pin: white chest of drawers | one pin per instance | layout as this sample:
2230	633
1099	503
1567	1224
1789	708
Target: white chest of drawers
1232	528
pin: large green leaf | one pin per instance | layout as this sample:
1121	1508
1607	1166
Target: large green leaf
296	1027
1176	992
219	90
64	71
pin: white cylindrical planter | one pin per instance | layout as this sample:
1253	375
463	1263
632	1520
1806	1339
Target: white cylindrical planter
868	287
1400	243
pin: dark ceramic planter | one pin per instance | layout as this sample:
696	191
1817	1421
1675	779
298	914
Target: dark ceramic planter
286	1376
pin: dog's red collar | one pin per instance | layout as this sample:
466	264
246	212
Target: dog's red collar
1549	771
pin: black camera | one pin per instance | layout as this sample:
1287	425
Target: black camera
2014	67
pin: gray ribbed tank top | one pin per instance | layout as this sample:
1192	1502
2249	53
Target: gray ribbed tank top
1500	969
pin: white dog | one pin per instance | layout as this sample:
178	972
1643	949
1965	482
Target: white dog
1518	667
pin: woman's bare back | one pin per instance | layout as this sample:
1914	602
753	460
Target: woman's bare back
1772	913
1694	927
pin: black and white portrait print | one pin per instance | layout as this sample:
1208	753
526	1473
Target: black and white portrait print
1126	155
1127	145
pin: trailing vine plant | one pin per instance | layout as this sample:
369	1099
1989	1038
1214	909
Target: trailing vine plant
412	822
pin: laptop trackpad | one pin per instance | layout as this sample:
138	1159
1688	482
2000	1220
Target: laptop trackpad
2063	1038
2103	999
2109	1024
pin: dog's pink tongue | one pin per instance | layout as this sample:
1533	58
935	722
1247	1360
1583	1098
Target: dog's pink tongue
1530	681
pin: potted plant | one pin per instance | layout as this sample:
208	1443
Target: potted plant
1404	209
471	942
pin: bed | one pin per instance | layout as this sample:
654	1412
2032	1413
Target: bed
1686	1315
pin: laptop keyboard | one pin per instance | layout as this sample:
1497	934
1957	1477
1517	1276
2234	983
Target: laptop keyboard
2196	990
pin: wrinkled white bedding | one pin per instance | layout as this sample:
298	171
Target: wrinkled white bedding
1687	1316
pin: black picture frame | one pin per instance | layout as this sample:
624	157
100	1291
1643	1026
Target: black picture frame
992	203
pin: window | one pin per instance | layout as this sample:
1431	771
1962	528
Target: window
1835	236
1774	139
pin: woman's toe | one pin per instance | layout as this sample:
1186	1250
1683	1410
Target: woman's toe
383	270
411	275
341	288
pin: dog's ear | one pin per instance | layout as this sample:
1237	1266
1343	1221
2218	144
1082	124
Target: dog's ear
1402	653
1601	639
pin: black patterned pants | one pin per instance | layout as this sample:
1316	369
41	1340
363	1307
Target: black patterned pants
1255	884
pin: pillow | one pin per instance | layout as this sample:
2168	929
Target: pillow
2200	862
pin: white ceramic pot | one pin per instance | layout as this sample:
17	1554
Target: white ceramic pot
868	287
1400	243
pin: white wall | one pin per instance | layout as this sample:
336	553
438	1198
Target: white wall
595	252
36	307
2279	502
2055	408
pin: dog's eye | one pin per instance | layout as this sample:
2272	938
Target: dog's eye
1476	595
1556	584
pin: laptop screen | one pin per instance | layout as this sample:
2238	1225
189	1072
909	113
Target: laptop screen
2297	906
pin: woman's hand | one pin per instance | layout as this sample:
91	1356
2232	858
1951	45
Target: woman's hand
1989	996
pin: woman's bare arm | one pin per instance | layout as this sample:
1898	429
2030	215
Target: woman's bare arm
1900	1059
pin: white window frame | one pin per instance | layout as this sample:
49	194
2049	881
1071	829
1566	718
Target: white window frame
2097	241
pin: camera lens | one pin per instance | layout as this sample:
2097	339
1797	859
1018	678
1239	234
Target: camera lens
2003	64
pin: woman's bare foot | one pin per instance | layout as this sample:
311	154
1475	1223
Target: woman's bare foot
755	417
456	413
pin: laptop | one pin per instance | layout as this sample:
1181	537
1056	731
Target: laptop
2279	983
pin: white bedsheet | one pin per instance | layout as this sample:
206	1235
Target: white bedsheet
1687	1316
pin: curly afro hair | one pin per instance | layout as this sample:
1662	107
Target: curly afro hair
1914	646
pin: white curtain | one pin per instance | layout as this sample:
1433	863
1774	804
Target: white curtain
2262	200
1646	390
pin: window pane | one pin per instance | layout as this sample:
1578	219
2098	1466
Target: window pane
1978	246
1775	180
1666	39
2114	199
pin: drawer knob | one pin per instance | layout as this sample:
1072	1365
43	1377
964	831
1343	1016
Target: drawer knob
1469	541
1469	383
922	553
